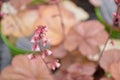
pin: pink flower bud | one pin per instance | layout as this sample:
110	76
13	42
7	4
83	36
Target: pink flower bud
1	14
44	41
43	55
49	52
112	42
36	47
30	56
36	35
46	53
44	29
55	64
42	35
116	16
32	40
35	39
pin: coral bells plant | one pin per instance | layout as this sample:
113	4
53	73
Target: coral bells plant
40	36
32	66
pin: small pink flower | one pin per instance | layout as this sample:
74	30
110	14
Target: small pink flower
49	52
35	39
45	41
32	40
55	64
44	29
1	14
115	15
36	35
46	53
112	43
36	47
30	56
40	34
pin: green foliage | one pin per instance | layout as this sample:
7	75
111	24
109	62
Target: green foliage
108	75
115	34
35	2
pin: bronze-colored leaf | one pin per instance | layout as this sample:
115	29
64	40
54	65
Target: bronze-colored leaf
21	24
109	57
71	41
91	36
50	16
23	68
59	51
20	4
82	69
115	70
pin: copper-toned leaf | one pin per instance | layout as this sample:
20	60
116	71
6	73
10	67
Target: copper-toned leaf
23	68
21	24
109	57
71	41
59	51
50	16
20	4
115	70
78	77
92	35
82	69
87	49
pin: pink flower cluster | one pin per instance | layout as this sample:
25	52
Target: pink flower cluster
117	1
116	19
40	34
2	14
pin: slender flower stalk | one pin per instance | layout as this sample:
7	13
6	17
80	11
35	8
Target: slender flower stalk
57	3
116	22
40	36
61	20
